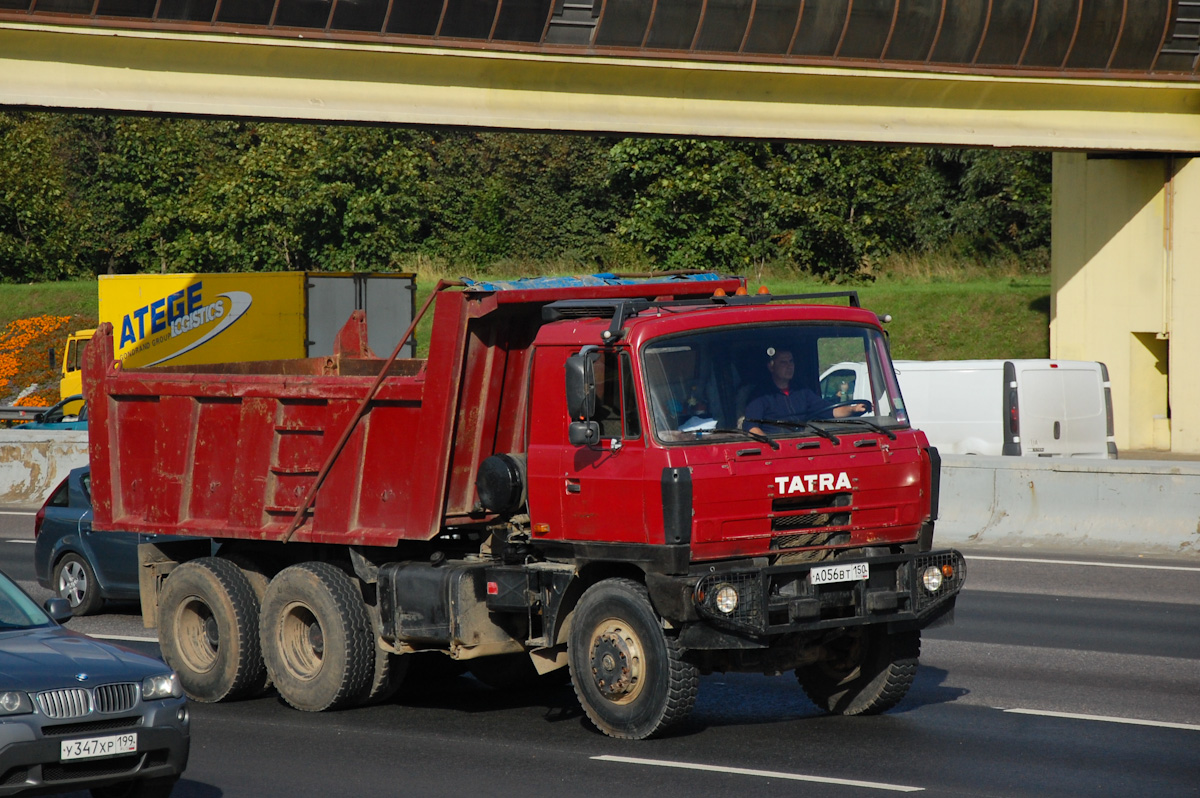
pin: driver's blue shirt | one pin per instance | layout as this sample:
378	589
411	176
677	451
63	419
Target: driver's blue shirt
796	404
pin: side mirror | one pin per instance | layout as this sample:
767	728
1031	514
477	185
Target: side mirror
53	359
59	609
581	385
583	433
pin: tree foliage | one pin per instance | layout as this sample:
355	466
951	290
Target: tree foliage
82	195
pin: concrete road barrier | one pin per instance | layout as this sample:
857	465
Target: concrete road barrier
33	462
1126	507
1099	506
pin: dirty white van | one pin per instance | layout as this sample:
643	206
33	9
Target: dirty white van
1045	408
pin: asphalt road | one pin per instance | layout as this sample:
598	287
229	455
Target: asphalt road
1059	678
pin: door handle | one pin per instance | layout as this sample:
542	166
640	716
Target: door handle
573	486
1057	430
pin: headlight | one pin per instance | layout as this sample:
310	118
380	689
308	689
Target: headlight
727	598
932	579
15	703
164	686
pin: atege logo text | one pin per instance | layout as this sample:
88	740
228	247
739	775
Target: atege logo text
181	311
808	483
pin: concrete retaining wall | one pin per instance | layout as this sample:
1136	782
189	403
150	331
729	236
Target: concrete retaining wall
1104	506
33	462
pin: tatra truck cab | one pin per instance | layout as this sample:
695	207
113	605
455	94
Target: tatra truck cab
632	479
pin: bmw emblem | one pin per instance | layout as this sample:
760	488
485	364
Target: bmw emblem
81	677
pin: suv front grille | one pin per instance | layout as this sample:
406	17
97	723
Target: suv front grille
75	702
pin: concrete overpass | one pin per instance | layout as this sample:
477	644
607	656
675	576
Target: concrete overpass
1111	86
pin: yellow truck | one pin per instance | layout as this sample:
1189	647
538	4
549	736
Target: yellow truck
188	319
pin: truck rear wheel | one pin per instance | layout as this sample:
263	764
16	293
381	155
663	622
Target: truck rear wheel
316	637
628	674
208	630
869	672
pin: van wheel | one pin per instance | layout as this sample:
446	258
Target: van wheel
628	674
208	630
317	639
868	671
75	581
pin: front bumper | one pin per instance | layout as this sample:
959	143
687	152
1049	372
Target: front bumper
30	749
774	601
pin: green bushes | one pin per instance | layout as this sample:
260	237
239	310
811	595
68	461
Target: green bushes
85	195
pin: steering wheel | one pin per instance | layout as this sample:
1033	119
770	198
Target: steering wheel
850	403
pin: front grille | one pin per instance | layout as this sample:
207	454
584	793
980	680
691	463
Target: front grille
75	702
92	726
72	702
801	521
116	697
90	768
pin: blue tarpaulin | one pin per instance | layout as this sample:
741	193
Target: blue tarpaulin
577	281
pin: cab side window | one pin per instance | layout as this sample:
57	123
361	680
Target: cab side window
616	403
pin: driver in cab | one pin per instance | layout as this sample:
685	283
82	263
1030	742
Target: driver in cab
784	403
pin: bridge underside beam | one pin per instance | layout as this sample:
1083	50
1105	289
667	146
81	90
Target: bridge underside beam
163	73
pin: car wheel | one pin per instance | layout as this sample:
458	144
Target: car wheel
145	788
75	581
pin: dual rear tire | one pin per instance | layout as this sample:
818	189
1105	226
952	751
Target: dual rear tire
308	631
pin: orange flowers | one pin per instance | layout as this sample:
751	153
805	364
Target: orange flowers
23	358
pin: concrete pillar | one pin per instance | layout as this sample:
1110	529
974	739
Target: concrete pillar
1125	272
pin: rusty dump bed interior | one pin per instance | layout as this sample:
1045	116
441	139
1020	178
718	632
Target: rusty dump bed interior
233	450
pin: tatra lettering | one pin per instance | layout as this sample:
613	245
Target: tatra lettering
810	483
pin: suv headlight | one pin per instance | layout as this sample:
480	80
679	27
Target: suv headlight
15	703
164	686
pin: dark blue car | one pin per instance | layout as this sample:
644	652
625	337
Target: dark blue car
83	566
78	713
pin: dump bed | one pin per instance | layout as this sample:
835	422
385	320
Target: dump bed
233	450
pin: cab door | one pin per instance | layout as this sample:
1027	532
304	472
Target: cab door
604	492
587	492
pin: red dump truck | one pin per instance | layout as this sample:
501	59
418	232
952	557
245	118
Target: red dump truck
569	483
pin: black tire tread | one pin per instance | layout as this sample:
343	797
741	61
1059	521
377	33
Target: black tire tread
249	671
354	682
877	694
683	679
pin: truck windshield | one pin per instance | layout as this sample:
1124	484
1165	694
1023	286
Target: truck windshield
793	380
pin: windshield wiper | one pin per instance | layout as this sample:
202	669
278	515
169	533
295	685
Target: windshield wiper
796	425
859	420
752	435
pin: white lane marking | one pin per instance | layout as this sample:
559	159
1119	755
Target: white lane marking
1162	724
1084	562
21	541
129	638
767	774
17	512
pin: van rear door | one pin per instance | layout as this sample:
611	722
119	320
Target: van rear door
1062	408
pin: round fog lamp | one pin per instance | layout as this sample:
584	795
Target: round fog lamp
932	579
727	598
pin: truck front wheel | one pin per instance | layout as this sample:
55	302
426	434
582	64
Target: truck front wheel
316	637
867	671
628	674
208	630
